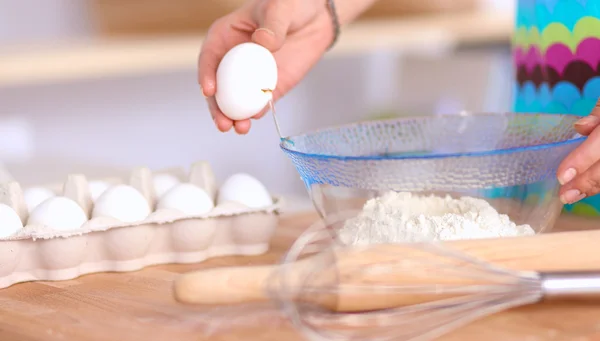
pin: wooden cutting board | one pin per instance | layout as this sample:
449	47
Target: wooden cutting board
139	306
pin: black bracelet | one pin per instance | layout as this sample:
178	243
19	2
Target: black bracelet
335	21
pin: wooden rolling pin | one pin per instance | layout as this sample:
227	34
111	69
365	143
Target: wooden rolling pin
337	280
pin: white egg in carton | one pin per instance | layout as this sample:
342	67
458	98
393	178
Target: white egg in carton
114	225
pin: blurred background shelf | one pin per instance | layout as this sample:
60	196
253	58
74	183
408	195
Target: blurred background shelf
155	17
122	56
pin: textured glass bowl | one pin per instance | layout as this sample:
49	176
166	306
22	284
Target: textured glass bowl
509	159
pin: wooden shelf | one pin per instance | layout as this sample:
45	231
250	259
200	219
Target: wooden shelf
71	61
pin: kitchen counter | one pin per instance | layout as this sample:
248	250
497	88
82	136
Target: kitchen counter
139	306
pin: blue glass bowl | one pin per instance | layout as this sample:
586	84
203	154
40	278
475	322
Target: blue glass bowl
509	159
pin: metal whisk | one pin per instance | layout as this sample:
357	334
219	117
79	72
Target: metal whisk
399	292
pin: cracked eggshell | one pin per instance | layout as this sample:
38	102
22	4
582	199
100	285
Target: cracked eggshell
58	213
163	183
10	222
188	199
122	202
243	75
244	189
36	195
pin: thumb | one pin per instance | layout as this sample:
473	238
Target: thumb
586	125
274	20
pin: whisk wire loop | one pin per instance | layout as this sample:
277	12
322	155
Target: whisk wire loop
459	288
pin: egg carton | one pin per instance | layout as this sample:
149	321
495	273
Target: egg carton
49	252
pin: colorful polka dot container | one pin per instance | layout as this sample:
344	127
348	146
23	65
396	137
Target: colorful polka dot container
557	61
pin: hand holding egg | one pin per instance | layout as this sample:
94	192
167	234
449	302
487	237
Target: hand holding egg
246	78
297	33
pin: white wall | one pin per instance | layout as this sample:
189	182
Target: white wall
40	20
162	121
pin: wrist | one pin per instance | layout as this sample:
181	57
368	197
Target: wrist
342	12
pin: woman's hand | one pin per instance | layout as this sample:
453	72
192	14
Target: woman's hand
298	32
579	173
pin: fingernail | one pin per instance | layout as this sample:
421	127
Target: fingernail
266	30
202	91
572	196
567	176
589	120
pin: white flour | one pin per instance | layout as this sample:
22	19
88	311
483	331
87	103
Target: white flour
404	217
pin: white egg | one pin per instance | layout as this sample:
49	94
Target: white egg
246	190
10	223
58	213
187	198
163	183
97	188
36	195
122	202
243	75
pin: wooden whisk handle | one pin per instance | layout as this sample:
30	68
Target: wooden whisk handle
223	285
566	251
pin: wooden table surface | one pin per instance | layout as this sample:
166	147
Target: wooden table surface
139	306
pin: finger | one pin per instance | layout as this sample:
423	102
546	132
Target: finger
274	19
211	53
242	127
221	37
222	122
583	186
582	158
586	125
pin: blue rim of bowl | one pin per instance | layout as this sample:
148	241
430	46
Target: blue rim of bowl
438	155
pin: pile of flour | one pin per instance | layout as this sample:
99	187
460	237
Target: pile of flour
405	217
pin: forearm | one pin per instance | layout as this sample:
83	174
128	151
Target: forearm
349	10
